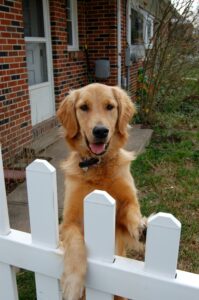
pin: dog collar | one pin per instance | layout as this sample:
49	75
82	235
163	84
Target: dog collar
85	163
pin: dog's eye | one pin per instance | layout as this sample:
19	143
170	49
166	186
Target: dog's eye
109	107
84	107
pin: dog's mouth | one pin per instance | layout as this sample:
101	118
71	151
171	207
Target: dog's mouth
97	148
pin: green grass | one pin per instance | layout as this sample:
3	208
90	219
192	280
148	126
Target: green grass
167	176
26	285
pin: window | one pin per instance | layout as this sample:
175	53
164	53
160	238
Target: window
36	56
140	29
137	27
72	25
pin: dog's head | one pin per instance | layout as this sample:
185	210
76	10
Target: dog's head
95	118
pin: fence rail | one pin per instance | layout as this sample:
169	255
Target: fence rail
108	275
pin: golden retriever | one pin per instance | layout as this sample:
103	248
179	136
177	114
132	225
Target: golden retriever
95	119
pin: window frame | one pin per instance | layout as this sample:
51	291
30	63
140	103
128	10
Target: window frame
139	49
147	40
75	33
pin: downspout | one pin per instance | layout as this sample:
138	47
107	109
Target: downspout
119	50
127	45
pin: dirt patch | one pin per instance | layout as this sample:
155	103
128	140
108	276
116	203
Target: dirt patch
15	175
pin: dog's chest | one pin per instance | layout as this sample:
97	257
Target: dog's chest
99	176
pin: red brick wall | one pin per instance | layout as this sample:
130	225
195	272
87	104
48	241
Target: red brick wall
101	34
15	120
69	67
97	24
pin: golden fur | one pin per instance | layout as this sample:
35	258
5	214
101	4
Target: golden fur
82	110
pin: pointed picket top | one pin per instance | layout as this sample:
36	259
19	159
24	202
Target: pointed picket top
40	165
42	202
164	220
99	225
100	197
162	245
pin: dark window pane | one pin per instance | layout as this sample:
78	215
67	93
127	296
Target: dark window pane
33	18
136	27
68	7
69	31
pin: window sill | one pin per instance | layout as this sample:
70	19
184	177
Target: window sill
72	48
138	51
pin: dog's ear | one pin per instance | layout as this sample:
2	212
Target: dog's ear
67	116
126	109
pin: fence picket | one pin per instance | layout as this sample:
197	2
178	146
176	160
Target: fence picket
43	211
99	226
42	200
162	244
8	285
4	218
47	288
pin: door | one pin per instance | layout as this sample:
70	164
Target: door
39	59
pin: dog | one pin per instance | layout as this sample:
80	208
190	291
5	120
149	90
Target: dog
95	120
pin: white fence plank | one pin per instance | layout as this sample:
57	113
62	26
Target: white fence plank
17	249
42	200
4	219
128	278
162	244
8	285
43	211
99	233
96	295
47	288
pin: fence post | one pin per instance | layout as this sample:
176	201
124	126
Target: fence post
43	211
162	245
99	232
8	286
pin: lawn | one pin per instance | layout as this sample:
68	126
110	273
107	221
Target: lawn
167	173
167	177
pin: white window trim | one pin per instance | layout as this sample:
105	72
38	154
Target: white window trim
133	4
147	17
75	34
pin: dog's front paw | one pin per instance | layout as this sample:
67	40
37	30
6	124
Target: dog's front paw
143	229
72	286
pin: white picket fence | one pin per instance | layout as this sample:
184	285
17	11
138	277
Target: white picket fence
108	275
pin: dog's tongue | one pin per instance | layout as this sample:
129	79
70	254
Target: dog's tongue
97	148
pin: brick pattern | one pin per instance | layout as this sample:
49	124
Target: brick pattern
101	35
97	24
15	120
69	67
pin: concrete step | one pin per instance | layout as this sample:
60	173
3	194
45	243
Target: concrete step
138	139
44	141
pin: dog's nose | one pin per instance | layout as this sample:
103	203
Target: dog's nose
100	132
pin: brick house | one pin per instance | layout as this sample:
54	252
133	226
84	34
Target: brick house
48	47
